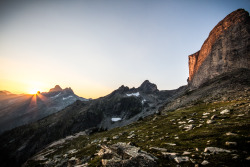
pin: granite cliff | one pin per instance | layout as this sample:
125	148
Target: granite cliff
227	48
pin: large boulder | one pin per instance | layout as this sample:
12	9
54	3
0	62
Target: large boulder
125	155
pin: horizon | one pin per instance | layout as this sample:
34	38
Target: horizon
94	47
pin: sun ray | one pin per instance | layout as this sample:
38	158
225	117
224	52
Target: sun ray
33	102
43	98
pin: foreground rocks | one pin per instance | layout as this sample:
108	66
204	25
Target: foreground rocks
126	155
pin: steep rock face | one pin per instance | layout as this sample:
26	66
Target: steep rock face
227	48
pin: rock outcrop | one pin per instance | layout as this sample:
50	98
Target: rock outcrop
227	48
123	154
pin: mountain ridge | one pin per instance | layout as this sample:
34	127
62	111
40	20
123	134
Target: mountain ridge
129	105
20	109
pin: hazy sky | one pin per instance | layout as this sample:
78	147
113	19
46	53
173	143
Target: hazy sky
96	46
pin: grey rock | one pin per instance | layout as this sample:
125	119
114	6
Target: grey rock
169	155
115	137
231	143
235	156
131	136
123	154
226	111
231	134
215	150
105	139
213	117
188	127
171	144
210	121
186	153
205	162
190	121
206	113
181	159
158	149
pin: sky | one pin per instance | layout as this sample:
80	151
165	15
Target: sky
95	46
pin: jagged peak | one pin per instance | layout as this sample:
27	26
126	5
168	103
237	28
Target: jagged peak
148	87
68	90
57	88
122	89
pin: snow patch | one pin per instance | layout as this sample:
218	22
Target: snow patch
115	119
134	94
143	101
65	98
55	96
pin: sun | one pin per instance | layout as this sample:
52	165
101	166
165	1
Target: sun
34	91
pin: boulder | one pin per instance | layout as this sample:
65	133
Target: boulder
181	159
231	134
188	127
228	143
215	150
205	162
210	121
169	155
126	155
226	111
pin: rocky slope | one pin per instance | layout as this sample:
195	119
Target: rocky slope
122	107
227	48
210	130
17	110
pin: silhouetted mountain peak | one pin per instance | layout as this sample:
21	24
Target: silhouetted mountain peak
4	93
57	88
68	90
148	87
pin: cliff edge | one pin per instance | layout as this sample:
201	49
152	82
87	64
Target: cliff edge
227	48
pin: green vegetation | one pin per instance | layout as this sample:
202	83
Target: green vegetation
160	130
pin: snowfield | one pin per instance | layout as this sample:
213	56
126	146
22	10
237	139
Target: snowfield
134	94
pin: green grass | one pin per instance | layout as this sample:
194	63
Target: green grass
158	130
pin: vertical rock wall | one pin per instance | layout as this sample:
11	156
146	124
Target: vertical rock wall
227	48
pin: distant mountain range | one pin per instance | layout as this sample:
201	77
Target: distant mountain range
20	109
